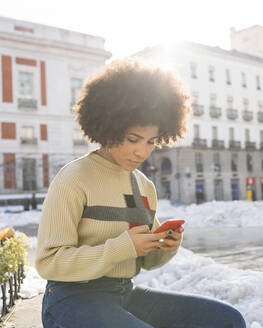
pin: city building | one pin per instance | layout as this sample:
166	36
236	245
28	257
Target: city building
42	70
222	156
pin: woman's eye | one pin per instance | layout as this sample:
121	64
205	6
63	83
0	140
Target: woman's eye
151	142
132	140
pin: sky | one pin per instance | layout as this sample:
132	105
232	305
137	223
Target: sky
129	26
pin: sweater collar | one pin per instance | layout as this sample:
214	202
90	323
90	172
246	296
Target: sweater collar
106	163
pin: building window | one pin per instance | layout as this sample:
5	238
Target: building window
211	72
216	162
245	104
247	135
193	68
230	102
244	80
231	134
234	162
8	130
213	100
9	171
214	132
249	163
260	106
218	190
196	131
258	82
75	85
261	135
78	137
195	97
199	162
25	85
166	166
228	78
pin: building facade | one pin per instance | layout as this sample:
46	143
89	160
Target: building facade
42	70
221	157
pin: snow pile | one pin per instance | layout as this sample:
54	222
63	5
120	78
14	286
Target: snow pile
211	214
191	273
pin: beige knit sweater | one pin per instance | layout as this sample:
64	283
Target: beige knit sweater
90	205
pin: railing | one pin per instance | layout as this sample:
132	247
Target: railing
28	141
218	144
27	103
234	144
247	115
199	143
232	114
12	256
215	112
260	116
11	287
250	145
198	109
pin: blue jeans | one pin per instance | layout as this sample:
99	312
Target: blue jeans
115	303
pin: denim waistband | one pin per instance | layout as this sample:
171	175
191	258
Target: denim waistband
102	280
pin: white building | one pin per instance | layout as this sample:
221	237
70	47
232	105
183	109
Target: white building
221	157
42	69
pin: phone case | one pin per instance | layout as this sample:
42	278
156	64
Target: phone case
170	225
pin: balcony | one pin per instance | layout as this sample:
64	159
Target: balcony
247	116
260	117
27	103
234	144
218	144
215	112
198	109
232	114
28	141
80	142
199	143
250	145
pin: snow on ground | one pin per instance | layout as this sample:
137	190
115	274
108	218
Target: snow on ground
215	213
186	272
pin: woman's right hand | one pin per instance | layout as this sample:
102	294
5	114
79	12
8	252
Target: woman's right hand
145	241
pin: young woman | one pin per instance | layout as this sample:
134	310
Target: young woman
99	214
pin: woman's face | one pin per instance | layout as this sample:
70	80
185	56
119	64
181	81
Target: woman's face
136	147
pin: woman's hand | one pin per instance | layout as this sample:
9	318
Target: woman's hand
173	241
145	241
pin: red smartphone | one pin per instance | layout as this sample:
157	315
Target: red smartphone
169	225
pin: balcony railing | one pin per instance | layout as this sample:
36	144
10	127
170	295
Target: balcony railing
218	144
199	143
198	109
80	142
28	141
234	144
27	103
260	116
232	114
250	145
215	112
247	115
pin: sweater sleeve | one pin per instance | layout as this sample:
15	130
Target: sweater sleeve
157	258
58	255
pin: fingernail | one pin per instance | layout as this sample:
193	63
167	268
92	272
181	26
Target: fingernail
170	232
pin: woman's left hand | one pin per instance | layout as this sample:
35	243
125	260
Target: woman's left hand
173	240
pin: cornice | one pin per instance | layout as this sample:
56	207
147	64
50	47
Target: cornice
50	46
